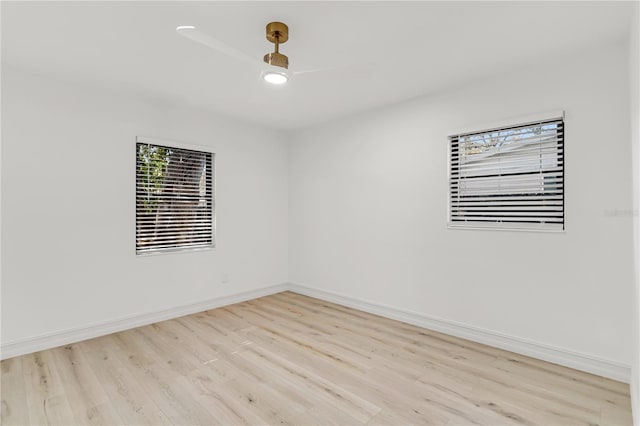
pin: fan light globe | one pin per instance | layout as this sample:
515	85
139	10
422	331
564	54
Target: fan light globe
274	77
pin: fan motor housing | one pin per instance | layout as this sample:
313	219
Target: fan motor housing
277	59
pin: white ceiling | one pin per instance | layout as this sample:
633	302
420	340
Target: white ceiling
411	48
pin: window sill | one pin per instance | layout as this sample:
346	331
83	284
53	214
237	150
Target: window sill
175	251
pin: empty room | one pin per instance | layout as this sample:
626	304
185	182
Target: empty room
320	213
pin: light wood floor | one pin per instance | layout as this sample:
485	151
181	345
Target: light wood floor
291	359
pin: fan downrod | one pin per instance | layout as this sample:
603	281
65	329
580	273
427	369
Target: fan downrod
277	33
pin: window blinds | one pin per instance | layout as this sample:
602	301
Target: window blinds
511	177
174	198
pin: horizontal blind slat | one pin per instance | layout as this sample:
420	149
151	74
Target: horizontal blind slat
511	219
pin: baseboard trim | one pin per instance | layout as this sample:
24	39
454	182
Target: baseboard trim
65	337
556	355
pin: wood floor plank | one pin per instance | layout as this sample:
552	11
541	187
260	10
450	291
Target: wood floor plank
46	398
14	409
289	359
326	389
126	395
88	400
325	415
169	389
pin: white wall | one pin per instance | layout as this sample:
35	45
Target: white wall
634	113
368	209
68	213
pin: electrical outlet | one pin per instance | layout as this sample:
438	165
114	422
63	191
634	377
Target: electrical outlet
225	278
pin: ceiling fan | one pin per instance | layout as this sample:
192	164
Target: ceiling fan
274	66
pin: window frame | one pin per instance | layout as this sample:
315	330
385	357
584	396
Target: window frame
178	145
529	120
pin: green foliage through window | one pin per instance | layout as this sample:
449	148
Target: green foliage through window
152	165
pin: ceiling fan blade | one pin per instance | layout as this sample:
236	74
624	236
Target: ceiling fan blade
339	72
198	36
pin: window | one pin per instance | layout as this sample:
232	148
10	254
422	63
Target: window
174	197
509	177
